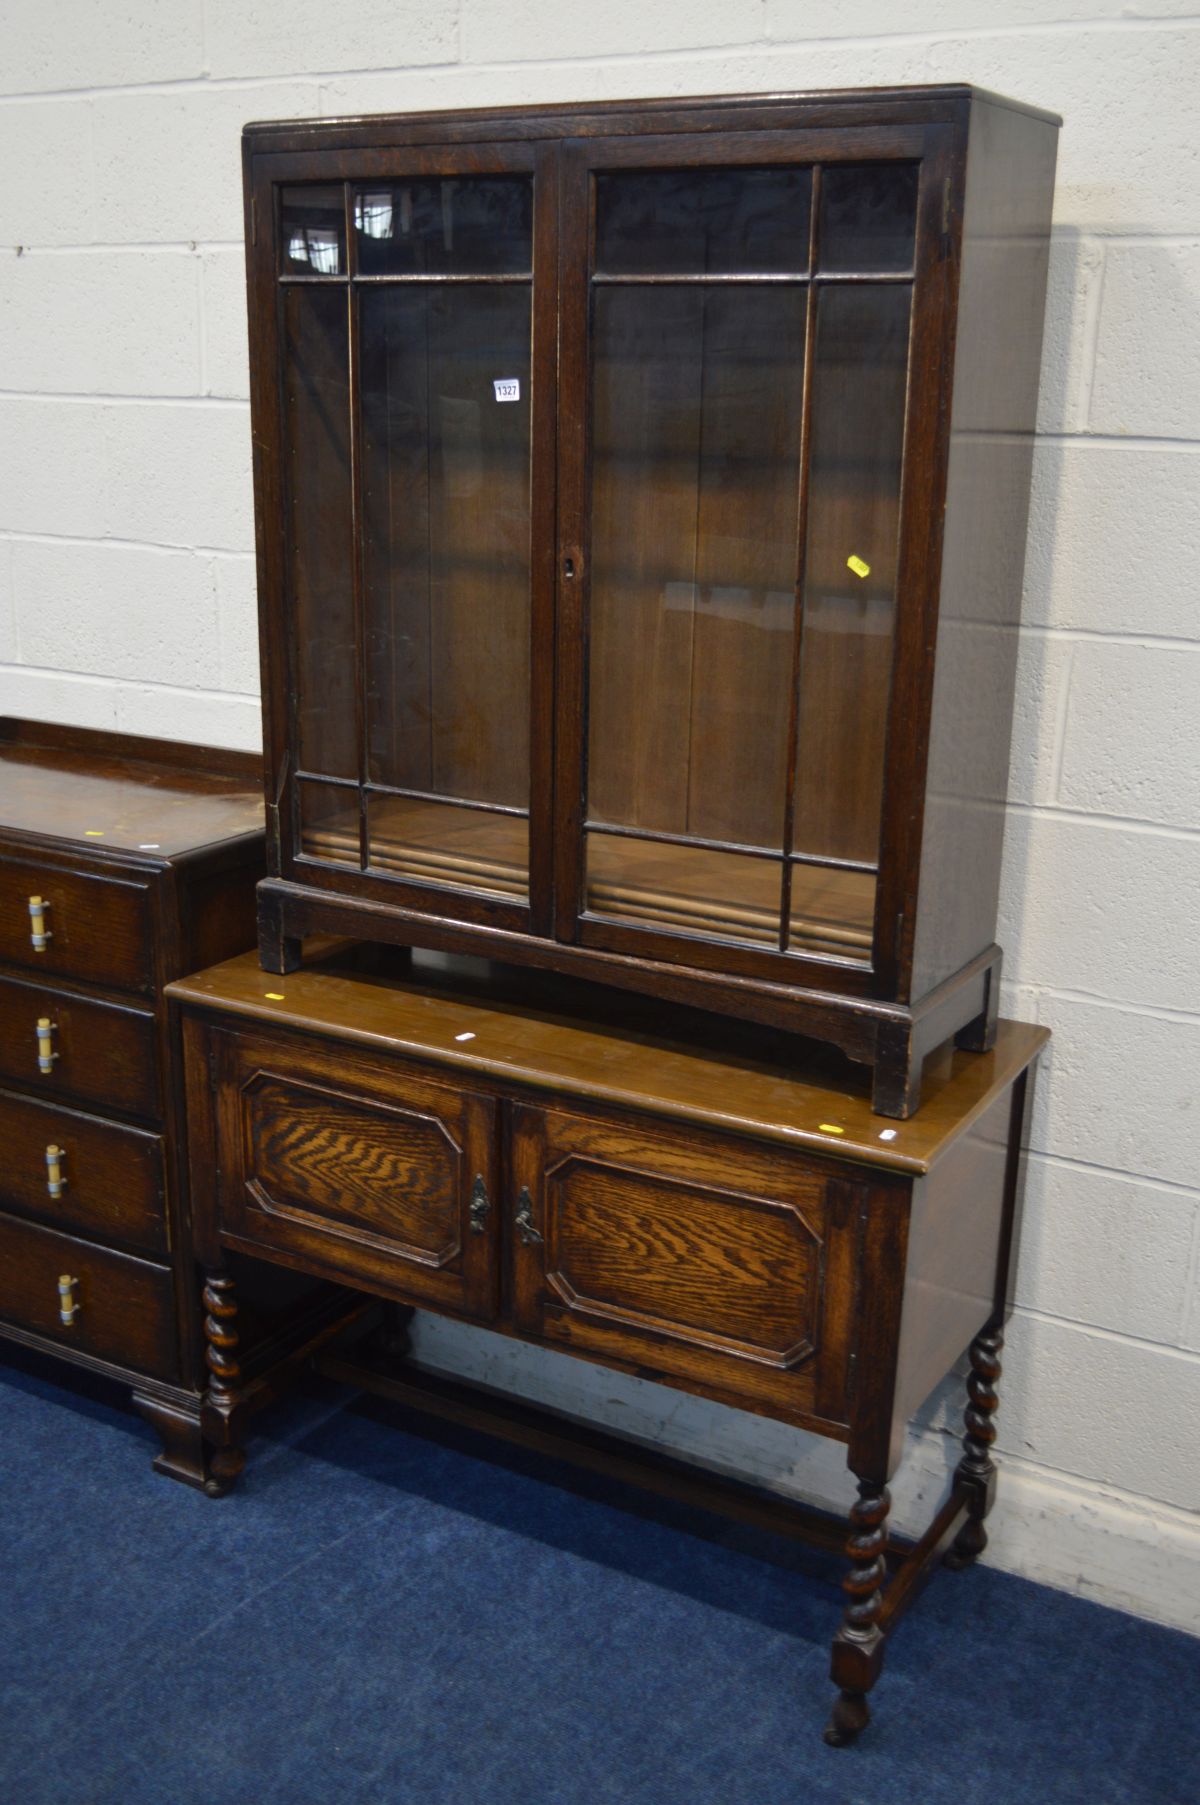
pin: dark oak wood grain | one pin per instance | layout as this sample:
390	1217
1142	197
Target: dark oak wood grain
706	581
695	1259
143	856
112	1180
123	792
551	1035
638	1192
98	927
976	1475
125	1307
356	1168
100	1051
1004	245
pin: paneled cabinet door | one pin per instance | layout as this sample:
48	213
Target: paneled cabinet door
690	1257
378	1178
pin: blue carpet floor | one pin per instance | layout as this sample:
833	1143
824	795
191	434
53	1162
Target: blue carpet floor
388	1617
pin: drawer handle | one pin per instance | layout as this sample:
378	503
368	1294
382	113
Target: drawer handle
69	1305
524	1219
481	1204
46	1030
56	1182
39	933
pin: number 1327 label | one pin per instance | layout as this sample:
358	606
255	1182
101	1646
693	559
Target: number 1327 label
507	388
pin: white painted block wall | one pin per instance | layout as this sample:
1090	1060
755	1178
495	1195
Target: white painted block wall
127	600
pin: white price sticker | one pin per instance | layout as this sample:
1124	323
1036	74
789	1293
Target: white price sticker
507	388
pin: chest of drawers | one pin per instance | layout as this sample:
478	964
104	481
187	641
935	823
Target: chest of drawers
636	1188
123	862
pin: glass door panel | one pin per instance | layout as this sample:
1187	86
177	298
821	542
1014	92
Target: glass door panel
697	389
867	230
830	911
446	556
685	887
329	821
406	318
440	843
868	220
703	222
319	531
743	547
313	230
859	382
445	226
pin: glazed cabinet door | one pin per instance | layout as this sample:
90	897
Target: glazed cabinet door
352	1169
740	329
720	1265
406	301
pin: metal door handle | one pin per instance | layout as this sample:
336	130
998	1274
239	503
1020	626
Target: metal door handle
56	1182
46	1030
69	1305
39	933
481	1204
524	1219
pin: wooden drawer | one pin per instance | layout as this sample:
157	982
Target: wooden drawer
102	1052
724	1266
127	1305
99	927
357	1171
112	1176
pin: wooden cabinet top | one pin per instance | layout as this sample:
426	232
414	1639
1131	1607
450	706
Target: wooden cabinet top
929	102
123	793
573	1039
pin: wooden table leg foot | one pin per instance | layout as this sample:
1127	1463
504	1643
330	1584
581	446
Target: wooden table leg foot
850	1715
391	1341
968	1545
857	1653
975	1477
178	1428
221	1417
224	1466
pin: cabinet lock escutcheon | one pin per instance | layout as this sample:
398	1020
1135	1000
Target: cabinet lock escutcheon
481	1204
46	1055
39	934
524	1219
69	1305
56	1178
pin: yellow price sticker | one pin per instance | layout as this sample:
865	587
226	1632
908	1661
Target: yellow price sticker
829	1128
858	565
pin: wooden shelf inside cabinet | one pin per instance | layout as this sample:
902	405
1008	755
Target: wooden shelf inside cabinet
124	862
619	509
636	1186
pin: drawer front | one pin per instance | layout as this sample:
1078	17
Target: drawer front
707	1262
125	1307
359	1172
89	926
78	1172
97	1052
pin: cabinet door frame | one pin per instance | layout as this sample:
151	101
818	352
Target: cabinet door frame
922	490
368	1258
266	173
810	1384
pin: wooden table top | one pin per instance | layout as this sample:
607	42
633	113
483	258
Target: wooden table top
553	1034
114	790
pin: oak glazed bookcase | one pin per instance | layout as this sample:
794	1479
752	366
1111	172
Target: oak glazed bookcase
641	502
